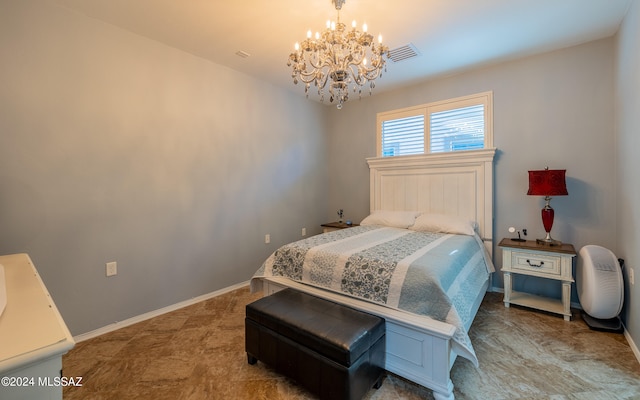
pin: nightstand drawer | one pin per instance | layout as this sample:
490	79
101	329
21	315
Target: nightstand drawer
536	262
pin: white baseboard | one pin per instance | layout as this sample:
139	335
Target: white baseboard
632	344
151	314
496	289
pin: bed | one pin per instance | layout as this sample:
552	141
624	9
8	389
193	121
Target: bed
422	208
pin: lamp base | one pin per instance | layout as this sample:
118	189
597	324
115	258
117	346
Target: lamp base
549	241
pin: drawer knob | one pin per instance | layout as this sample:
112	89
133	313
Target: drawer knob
535	265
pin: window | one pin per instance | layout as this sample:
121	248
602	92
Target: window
403	136
464	123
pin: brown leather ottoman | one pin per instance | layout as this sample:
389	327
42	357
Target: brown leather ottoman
334	351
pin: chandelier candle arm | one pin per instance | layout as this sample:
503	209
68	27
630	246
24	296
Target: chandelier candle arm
347	60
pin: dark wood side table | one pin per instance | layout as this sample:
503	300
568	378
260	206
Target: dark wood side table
334	226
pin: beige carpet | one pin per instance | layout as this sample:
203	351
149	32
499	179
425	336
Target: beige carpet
198	353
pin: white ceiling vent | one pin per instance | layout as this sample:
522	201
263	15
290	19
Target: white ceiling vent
402	53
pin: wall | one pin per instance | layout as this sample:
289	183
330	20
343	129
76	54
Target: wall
118	148
627	162
554	109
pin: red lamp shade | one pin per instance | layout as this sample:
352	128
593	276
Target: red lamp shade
548	182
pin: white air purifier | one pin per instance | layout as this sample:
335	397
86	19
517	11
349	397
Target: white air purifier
600	288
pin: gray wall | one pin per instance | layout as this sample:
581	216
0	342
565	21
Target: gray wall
554	109
117	148
627	161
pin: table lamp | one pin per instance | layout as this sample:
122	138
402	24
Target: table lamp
547	183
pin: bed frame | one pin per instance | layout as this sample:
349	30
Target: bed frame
460	183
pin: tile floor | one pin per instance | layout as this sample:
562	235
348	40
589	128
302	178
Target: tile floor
197	352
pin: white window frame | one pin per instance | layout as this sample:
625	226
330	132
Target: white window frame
484	98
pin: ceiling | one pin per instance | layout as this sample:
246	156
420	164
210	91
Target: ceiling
449	35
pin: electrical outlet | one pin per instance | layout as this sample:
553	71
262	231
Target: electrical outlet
112	268
304	231
631	277
267	238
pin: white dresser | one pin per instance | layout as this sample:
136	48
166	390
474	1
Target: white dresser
33	335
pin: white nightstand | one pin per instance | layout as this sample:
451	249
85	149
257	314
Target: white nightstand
541	260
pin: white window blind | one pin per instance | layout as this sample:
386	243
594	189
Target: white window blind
403	136
457	129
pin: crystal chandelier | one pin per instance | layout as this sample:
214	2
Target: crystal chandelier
343	59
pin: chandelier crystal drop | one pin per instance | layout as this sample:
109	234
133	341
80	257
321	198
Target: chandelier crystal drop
341	58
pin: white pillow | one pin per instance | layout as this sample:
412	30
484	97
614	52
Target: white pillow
444	223
395	219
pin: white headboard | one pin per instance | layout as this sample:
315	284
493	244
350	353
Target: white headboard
456	183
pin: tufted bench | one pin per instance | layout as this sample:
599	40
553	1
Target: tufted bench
334	351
